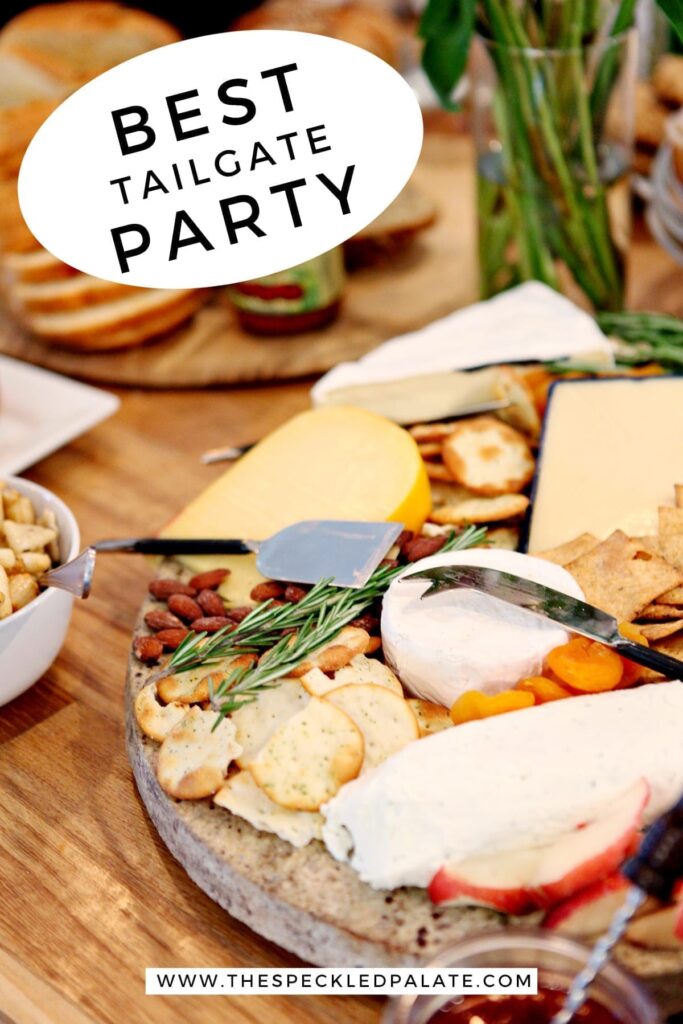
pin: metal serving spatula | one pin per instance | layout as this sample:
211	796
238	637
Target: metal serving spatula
344	551
575	615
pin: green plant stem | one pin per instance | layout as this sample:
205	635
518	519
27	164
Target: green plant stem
584	219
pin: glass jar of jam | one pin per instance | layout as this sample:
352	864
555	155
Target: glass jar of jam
302	298
615	997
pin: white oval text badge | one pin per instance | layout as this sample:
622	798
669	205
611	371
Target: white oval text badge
220	159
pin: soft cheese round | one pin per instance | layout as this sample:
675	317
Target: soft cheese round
463	640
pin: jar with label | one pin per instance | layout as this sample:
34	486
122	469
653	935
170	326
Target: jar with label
299	299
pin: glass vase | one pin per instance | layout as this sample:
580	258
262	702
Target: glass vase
554	138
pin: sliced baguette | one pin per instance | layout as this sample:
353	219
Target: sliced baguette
14	233
34	267
121	323
67	293
18	125
410	213
74	42
22	82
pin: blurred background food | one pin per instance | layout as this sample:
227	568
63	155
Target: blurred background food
48	51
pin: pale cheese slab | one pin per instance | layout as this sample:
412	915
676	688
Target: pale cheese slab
611	453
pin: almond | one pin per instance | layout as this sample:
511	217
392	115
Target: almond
238	614
368	622
210	603
404	538
294	593
267	591
147	648
422	547
184	607
211	623
159	619
163	588
209	580
172	638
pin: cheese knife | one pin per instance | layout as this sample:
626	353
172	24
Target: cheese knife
346	552
576	616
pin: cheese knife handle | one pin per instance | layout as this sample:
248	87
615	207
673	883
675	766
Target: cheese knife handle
177	546
658	864
669	667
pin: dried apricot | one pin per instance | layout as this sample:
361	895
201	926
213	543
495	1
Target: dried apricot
586	665
632	671
472	704
543	689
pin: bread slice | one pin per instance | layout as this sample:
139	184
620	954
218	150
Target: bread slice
18	125
33	267
67	293
410	213
373	28
122	323
22	82
74	42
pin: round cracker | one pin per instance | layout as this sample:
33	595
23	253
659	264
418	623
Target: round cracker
430	717
386	720
489	457
310	757
195	755
156	720
482	510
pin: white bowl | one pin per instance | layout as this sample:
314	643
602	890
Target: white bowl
31	638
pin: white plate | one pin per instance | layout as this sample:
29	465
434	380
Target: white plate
41	411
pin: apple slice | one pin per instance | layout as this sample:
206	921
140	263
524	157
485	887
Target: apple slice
593	852
589	911
500	880
518	881
657	930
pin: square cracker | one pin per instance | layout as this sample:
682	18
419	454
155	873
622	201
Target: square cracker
617	578
660	612
671	534
659	630
563	554
671	645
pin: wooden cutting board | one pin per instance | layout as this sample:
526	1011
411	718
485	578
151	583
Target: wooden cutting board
434	275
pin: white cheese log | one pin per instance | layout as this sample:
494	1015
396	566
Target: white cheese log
507	782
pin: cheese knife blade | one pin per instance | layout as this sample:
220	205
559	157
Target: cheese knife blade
575	615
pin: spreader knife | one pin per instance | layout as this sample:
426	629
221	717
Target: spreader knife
576	616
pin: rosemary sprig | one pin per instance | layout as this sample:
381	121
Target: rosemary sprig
317	618
316	628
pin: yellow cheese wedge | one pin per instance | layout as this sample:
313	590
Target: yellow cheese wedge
330	463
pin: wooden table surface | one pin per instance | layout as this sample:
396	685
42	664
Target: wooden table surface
89	896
